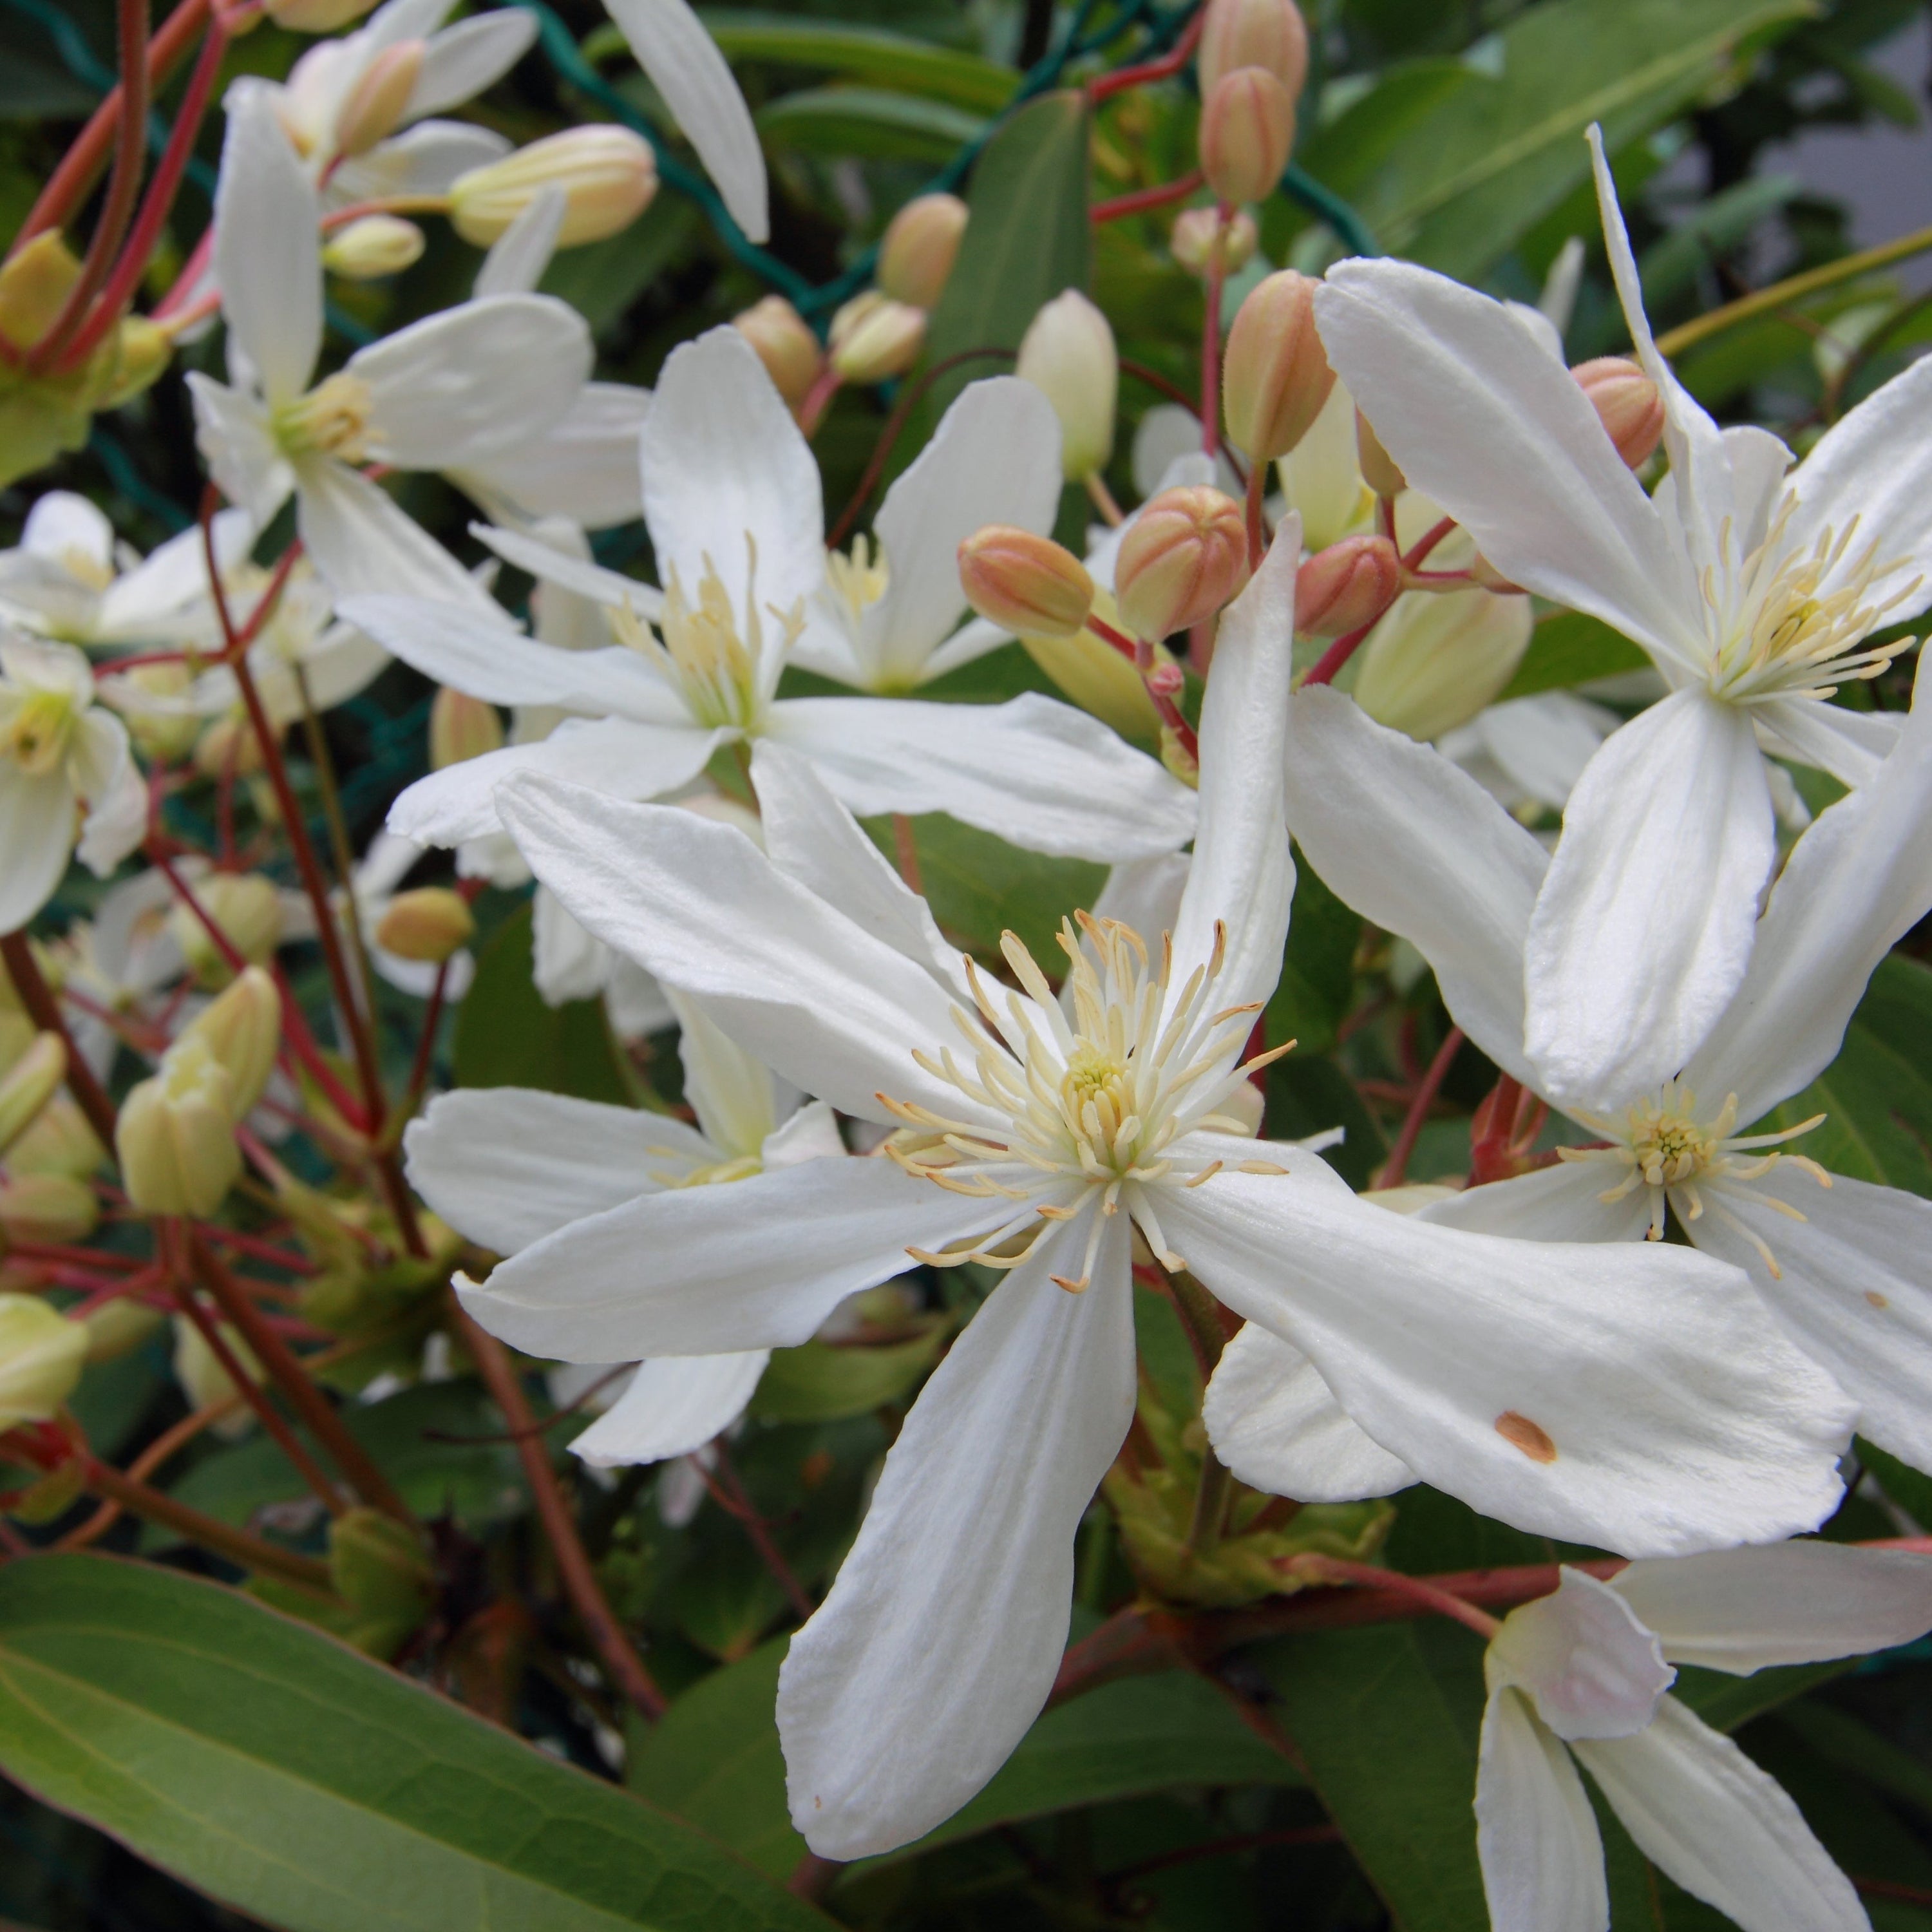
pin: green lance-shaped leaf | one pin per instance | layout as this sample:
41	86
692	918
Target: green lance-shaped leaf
281	1773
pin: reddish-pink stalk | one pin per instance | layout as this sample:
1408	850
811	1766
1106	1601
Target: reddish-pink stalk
1169	63
1395	1169
1140	654
1142	200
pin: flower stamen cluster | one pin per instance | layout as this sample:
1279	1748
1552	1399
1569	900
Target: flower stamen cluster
333	419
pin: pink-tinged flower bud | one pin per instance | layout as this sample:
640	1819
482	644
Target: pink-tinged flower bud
608	175
47	1207
375	246
785	345
1347	585
1247	131
1253	33
461	727
921	244
428	924
1183	558
175	1139
1068	355
1200	236
1628	403
375	106
243	1029
316	17
30	1084
1026	584
873	337
1379	468
1276	377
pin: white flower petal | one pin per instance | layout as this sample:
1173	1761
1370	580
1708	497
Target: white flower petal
729	1091
1536	1835
1643	928
585	467
672	1407
1274	1422
1584	1658
231	431
67	529
361	540
425	159
1564	1203
115	792
544	560
940	1638
1850	745
517	258
167	596
461	61
37	830
684	65
565	962
1703	1813
267	250
1542	743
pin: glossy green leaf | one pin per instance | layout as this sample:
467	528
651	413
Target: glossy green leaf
1670	266
507	1036
284	1775
1910	1489
819	1382
862	54
870	122
1571	649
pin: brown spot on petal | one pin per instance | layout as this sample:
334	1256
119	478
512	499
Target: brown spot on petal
1877	1300
1529	1437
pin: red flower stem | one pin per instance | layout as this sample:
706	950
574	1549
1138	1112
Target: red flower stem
730	1494
1169	63
1257	523
1144	199
1395	1169
1141	656
1429	1596
1338	654
1174	393
303	1047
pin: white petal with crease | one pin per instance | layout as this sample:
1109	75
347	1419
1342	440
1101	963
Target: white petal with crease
672	1407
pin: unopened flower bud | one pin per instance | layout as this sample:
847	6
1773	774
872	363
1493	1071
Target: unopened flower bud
1253	33
1024	584
229	747
141	350
461	727
1628	403
428	924
29	1085
873	337
374	106
316	17
58	1141
1200	236
1068	355
117	1328
175	1141
159	731
920	246
243	1029
205	1379
248	910
785	345
47	1207
35	283
375	246
1379	468
1276	376
1436	661
1183	558
1247	132
41	1352
1347	585
608	175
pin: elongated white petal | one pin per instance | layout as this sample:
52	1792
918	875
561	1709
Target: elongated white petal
36	835
1563	1203
461	61
584	467
517	258
267	256
685	66
1041	774
1849	745
425	159
614	755
1536	1837
506	1165
672	1407
973	639
577	575
1584	1658
1274	1422
1742	1610
723	461
1629	1396
565	962
752	1263
728	1091
940	1638
1702	1812
231	431
812	994
1643	928
66	529
1485	423
1416	845
1541	743
361	540
161	597
811	1133
1859	878
113	790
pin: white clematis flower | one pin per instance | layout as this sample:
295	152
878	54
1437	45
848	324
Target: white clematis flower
61	755
1538	1384
508	1167
731	497
1415	845
1754	593
433	395
1581	1677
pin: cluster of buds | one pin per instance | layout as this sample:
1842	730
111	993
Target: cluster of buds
49	1149
608	176
1068	355
1253	62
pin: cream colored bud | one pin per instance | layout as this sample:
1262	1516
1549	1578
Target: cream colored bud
41	1352
141	350
375	246
1183	558
920	245
1435	661
243	1029
1027	584
117	1328
1347	585
59	1141
316	17
47	1207
247	909
1276	377
229	746
461	727
428	924
1247	132
873	337
1379	468
1200	236
204	1381
162	735
1628	404
1253	33
785	345
608	175
29	1085
374	108
176	1140
1068	355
